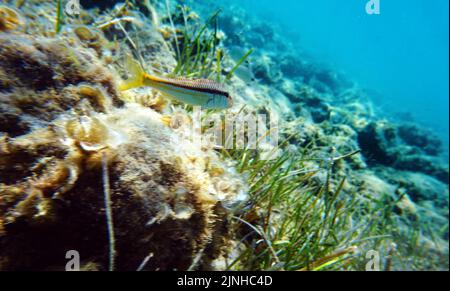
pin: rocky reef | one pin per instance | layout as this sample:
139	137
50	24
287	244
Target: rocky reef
120	176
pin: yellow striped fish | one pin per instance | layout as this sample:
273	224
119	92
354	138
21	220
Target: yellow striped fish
198	92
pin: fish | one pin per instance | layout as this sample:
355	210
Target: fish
244	71
205	93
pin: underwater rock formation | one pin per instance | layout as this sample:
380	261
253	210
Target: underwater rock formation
263	69
42	78
420	187
403	147
415	135
67	138
377	141
422	163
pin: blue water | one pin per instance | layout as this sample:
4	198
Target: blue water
402	53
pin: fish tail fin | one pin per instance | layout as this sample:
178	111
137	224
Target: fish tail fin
136	74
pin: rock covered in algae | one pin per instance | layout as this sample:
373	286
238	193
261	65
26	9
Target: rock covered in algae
9	19
63	129
385	143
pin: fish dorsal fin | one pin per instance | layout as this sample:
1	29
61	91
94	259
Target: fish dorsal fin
197	83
